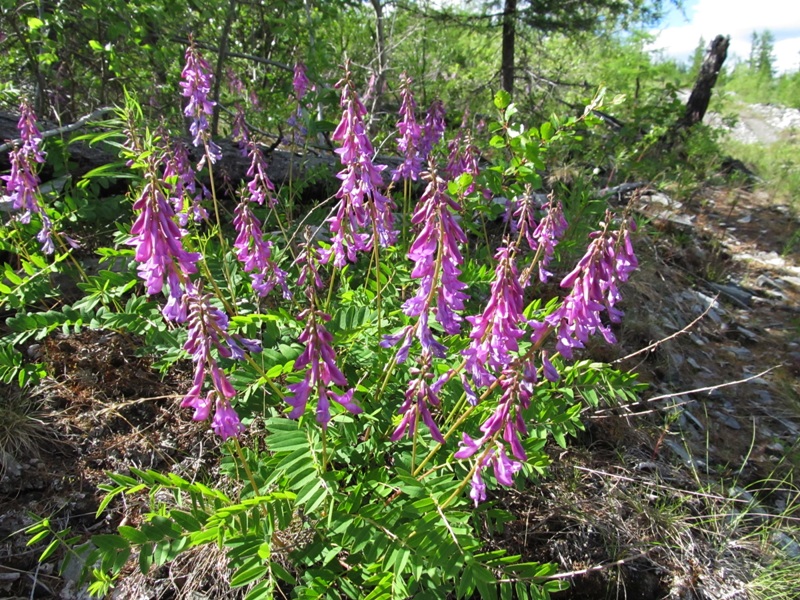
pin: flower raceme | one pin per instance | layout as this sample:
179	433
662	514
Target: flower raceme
363	214
495	332
196	84
158	248
208	330
22	183
594	284
252	249
318	357
410	135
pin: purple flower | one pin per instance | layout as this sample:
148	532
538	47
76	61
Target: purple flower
503	467
196	84
300	82
410	135
432	130
495	332
22	183
420	395
239	132
463	158
363	211
260	187
226	422
207	328
180	182
255	252
547	234
437	259
158	247
594	284
319	360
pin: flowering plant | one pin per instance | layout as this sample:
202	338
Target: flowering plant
317	393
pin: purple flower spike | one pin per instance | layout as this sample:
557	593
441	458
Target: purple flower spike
239	132
208	330
495	332
433	129
363	210
255	253
158	247
22	183
547	234
420	395
319	360
196	84
300	82
438	271
410	135
594	284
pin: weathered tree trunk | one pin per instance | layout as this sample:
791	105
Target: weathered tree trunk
697	105
509	34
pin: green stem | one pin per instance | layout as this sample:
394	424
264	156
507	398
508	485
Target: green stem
246	466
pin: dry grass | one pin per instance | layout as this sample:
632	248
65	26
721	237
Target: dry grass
23	429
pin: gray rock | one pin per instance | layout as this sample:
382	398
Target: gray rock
726	420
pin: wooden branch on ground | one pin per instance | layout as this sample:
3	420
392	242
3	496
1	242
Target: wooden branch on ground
59	130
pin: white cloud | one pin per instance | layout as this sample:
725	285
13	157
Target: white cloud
737	19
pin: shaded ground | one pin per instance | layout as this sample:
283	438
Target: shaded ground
655	500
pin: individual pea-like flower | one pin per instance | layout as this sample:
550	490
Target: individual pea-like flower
363	212
207	328
495	332
410	135
594	284
197	82
158	248
432	129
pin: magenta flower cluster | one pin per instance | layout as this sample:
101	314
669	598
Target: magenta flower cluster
318	357
208	330
363	212
432	129
158	247
180	182
22	183
410	135
495	332
542	237
300	82
196	84
252	249
594	284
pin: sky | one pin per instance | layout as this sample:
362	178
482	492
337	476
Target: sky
678	35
